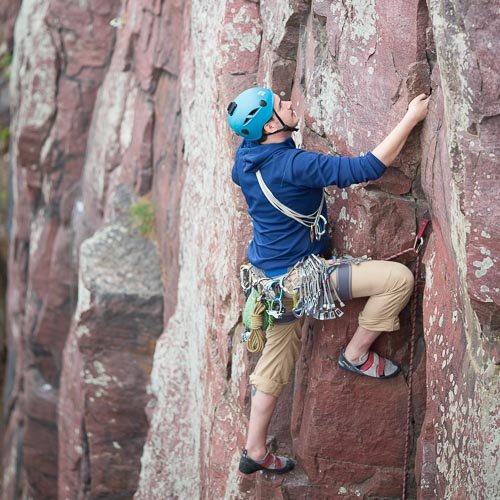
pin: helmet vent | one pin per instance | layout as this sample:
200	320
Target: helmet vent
230	109
250	116
244	131
263	103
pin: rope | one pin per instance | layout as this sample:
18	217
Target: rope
305	220
316	221
257	339
410	372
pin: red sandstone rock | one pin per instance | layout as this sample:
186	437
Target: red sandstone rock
118	317
8	13
52	100
159	125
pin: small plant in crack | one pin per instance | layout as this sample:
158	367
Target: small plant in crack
5	62
142	214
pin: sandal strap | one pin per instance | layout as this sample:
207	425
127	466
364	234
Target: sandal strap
375	366
271	461
381	366
369	362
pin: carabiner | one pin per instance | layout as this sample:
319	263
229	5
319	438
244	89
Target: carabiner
320	227
419	242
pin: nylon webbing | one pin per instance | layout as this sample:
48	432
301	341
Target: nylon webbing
311	220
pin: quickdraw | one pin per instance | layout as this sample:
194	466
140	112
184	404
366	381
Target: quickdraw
308	285
316	295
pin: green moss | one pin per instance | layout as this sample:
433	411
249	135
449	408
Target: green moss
142	214
5	62
4	138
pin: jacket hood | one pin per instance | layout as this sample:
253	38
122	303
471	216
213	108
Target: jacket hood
251	155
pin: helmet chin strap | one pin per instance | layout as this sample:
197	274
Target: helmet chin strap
285	128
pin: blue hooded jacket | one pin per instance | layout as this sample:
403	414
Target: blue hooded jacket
296	178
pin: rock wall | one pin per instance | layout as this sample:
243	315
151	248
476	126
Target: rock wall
458	447
114	125
61	53
8	13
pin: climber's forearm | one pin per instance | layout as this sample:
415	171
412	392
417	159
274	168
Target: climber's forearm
389	148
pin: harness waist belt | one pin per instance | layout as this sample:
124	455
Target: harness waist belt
287	317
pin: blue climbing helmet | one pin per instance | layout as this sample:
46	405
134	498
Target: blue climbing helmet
250	111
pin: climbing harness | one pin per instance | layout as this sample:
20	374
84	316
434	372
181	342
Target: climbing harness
316	295
419	241
315	221
307	285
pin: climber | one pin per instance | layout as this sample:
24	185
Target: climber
280	183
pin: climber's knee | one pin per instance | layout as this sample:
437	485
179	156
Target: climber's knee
405	285
266	385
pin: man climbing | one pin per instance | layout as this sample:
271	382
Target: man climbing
281	183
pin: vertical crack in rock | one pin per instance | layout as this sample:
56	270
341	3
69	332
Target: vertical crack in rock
84	478
231	342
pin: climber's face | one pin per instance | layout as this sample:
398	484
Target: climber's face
285	110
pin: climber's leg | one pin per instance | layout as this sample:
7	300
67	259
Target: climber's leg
271	374
360	344
260	415
255	455
389	286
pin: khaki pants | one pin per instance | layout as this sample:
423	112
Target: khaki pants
388	285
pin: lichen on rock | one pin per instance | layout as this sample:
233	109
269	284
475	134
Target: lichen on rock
124	308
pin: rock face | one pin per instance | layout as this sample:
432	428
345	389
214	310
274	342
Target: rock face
8	13
103	120
106	365
60	56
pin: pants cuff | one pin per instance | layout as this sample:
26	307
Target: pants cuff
266	385
379	325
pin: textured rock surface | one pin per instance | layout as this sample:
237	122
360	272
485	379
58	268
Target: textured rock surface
458	449
8	13
61	51
107	362
158	127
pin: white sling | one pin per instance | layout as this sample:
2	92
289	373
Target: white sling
315	221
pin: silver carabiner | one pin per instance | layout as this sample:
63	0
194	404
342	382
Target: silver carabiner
320	227
419	242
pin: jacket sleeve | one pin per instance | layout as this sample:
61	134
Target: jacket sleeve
316	170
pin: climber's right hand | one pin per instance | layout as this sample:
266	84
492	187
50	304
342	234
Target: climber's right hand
417	109
390	147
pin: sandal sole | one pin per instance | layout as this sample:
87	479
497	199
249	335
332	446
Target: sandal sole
249	466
